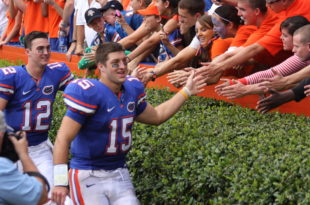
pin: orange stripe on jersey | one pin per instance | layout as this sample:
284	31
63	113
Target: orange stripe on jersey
65	76
71	190
85	104
7	86
77	186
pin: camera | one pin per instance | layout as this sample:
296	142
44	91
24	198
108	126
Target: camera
8	150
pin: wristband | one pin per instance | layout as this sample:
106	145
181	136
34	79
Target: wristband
154	76
188	92
61	175
185	92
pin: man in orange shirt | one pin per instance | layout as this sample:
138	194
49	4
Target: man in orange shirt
269	43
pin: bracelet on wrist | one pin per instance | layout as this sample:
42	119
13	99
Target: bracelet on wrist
185	92
154	76
61	175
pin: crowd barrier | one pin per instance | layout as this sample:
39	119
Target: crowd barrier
300	108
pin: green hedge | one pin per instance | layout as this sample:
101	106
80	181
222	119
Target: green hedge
212	152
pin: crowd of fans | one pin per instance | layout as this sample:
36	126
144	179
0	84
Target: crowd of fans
217	38
263	44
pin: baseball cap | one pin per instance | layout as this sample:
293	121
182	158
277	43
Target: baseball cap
116	5
150	10
91	14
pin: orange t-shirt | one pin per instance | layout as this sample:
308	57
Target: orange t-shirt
242	35
271	41
269	21
33	18
219	46
54	19
11	23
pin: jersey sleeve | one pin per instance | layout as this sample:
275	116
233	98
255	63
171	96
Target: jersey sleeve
80	99
64	73
7	82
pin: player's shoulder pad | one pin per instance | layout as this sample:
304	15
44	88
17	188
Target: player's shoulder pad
134	82
58	66
82	95
10	70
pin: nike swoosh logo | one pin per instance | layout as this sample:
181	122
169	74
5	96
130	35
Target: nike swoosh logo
110	109
26	92
89	185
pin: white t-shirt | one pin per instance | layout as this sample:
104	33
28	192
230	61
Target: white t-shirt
3	19
195	44
82	6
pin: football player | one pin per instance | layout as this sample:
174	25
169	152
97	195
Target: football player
98	124
27	94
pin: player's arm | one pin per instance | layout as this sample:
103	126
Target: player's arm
66	133
3	103
161	113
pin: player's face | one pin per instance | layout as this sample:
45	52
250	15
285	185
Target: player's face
110	16
186	20
301	49
115	69
97	25
40	52
246	13
287	40
204	33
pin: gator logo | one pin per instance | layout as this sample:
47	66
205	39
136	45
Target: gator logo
131	106
47	90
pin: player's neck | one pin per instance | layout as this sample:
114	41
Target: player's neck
35	71
115	88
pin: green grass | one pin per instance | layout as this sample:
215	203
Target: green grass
213	152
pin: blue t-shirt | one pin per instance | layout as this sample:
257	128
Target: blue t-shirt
30	104
17	188
208	5
133	20
105	136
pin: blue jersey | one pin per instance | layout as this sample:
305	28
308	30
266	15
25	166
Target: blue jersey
30	104
109	35
105	136
176	39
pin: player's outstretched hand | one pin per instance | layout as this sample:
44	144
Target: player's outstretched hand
195	84
59	194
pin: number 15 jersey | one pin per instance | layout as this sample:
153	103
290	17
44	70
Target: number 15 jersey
105	136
